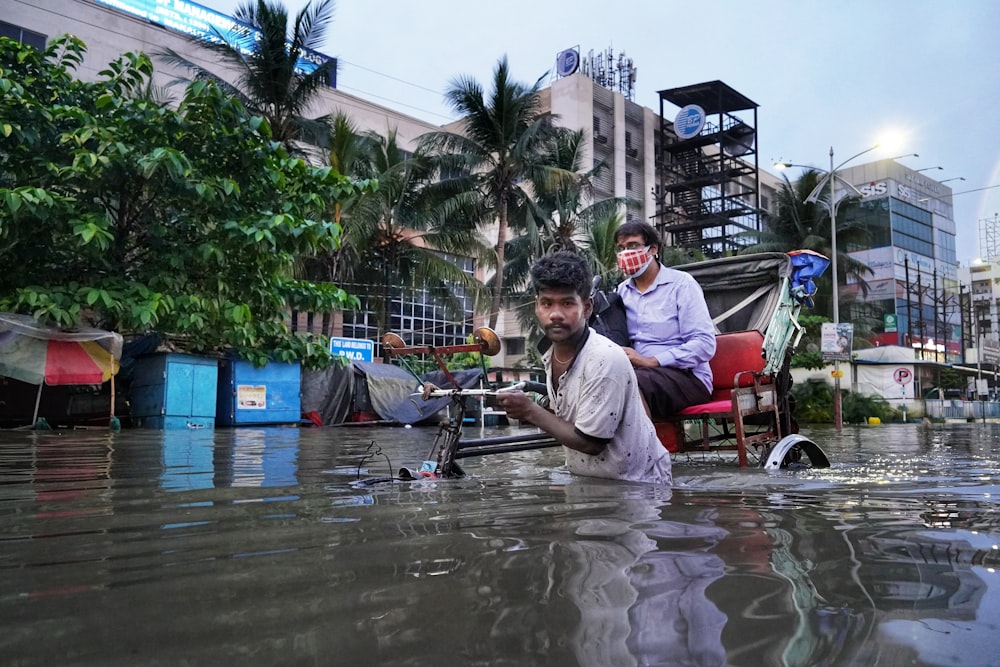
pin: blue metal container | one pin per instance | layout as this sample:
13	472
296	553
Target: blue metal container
267	395
171	390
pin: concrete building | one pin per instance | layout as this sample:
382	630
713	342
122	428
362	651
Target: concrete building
915	303
981	312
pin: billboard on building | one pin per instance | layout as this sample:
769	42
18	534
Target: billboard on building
881	261
190	18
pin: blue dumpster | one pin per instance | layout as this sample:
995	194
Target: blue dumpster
270	394
172	390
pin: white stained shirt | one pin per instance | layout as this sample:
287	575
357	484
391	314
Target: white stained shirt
599	395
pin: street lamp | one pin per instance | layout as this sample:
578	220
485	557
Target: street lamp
927	169
831	178
956	178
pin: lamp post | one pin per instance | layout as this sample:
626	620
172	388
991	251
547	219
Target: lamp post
956	178
927	169
831	178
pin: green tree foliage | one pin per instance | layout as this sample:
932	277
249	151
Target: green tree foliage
396	238
807	354
562	215
267	82
395	242
117	212
813	400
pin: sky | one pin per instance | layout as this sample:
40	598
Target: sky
915	76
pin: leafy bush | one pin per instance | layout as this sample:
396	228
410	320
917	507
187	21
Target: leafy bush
813	401
807	354
814	404
857	408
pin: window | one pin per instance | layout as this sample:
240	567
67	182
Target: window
19	34
515	346
419	315
911	227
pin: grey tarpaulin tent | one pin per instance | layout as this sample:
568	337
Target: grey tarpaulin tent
333	394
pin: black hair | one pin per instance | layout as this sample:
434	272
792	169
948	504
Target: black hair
639	228
562	269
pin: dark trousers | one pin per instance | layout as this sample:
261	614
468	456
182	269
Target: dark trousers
669	390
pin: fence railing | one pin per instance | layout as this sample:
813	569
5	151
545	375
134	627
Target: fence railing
954	409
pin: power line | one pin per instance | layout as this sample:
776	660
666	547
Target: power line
395	102
389	76
963	192
988	187
389	99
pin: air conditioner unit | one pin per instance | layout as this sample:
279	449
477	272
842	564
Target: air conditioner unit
632	152
600	138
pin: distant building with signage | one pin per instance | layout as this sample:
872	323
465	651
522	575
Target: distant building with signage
913	297
981	299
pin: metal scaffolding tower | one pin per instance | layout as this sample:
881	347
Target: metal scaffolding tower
708	185
989	245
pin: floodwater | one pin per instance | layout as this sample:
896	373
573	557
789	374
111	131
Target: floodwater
267	546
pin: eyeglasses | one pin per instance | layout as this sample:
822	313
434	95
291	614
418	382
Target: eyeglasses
635	245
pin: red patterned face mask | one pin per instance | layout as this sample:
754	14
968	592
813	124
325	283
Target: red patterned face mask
634	262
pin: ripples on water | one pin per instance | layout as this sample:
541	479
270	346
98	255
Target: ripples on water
280	546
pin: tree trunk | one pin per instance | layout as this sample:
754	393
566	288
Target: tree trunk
498	284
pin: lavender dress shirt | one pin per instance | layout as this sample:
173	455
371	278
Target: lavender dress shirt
670	321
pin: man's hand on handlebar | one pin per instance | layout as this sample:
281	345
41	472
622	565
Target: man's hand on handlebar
516	404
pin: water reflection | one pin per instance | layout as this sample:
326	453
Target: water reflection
286	546
636	582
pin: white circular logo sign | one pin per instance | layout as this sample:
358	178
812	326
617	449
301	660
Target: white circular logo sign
567	61
689	122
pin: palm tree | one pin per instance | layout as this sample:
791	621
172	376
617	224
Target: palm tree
562	213
267	82
562	216
797	224
395	238
352	154
488	170
801	225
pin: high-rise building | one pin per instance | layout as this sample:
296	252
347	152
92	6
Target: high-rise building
910	294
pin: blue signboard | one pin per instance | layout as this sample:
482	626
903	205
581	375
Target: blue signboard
200	22
355	349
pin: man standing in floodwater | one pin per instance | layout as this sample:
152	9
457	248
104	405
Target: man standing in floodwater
598	413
